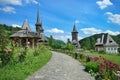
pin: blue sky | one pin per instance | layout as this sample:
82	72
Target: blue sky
59	16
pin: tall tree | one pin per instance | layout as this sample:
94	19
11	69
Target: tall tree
51	41
92	43
68	41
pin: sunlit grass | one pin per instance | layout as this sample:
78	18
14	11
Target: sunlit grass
112	57
22	70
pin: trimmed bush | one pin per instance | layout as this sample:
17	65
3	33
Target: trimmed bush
81	56
91	66
102	52
89	58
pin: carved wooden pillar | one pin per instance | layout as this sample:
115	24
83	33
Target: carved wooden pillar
20	42
33	43
26	42
37	43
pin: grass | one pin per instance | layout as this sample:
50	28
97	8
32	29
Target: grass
114	58
20	71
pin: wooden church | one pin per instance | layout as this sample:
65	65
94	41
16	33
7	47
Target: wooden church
75	37
26	37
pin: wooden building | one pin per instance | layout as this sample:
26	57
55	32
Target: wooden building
26	37
75	37
106	43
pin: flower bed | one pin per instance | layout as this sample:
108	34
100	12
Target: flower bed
106	69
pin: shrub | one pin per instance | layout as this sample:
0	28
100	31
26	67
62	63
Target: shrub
21	57
91	51
20	71
36	53
102	52
106	67
81	56
119	50
0	62
91	66
23	54
89	58
6	56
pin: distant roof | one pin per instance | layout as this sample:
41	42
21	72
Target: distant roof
26	25
43	38
106	40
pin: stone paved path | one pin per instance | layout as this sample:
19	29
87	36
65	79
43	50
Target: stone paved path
61	67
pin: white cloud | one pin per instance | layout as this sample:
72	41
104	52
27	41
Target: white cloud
8	9
77	21
112	33
55	30
65	37
32	1
91	31
114	18
17	2
13	2
105	3
15	25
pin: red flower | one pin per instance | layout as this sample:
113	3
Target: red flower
6	50
9	50
95	59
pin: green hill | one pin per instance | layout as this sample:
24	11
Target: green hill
89	42
7	30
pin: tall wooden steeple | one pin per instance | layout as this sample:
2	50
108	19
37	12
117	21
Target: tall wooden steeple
38	24
74	34
75	37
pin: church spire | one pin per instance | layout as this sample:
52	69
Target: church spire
38	18
74	28
38	24
75	37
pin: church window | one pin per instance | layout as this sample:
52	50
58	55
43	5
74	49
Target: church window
110	41
114	48
111	48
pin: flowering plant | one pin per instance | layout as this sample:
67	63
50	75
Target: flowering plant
21	57
106	67
6	56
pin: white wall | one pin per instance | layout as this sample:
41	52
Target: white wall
112	49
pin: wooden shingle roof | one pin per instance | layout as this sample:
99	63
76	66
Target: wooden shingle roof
106	40
26	26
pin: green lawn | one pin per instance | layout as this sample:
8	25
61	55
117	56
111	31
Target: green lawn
20	71
111	57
